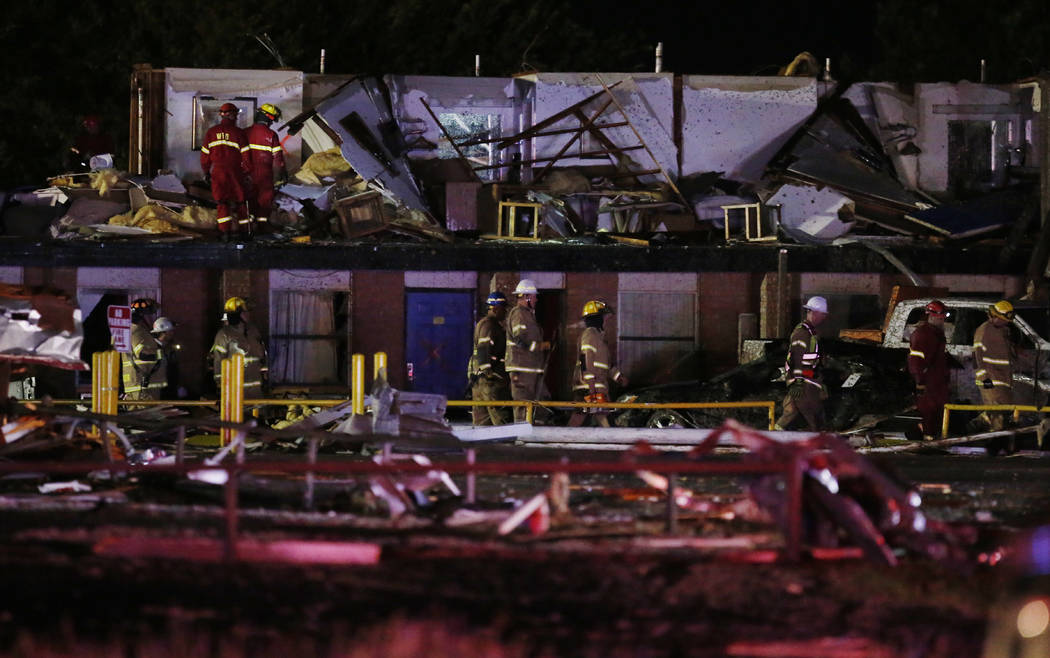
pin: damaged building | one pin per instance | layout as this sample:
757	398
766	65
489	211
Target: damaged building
703	208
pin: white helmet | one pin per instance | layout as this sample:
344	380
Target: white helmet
818	304
162	324
526	287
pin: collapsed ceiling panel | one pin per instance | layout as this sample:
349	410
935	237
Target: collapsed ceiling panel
371	141
736	125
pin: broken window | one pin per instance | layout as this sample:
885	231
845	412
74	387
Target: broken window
969	156
308	338
476	135
206	115
656	330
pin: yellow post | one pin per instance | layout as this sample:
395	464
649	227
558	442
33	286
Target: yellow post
96	382
379	365
231	407
358	390
944	423
112	382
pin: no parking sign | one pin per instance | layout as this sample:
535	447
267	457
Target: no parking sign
119	318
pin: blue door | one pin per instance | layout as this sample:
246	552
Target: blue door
439	333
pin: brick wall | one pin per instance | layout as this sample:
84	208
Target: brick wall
379	320
59	278
192	301
723	297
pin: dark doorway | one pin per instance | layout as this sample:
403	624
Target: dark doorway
550	313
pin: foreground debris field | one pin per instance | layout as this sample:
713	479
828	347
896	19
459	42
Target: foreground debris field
136	564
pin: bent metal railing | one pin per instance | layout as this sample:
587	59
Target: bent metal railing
792	469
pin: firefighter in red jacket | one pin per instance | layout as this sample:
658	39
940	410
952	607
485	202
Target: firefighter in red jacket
928	365
222	161
263	157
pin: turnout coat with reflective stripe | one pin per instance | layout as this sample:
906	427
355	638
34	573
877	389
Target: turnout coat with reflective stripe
523	341
264	149
244	339
803	358
143	371
993	355
225	145
593	363
927	359
490	346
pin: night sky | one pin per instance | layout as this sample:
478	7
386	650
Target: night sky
62	61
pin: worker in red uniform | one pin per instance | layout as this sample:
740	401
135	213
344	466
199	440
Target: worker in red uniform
92	141
928	365
263	158
222	161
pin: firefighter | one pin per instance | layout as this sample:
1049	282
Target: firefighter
239	336
928	365
91	141
594	368
486	370
164	333
263	157
525	347
223	163
143	370
806	392
994	354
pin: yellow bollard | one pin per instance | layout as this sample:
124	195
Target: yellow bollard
105	382
358	391
96	382
379	366
231	404
112	382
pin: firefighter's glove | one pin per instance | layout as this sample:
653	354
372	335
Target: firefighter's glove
282	176
207	179
988	383
474	379
596	397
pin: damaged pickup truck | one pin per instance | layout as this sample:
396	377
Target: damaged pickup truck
865	371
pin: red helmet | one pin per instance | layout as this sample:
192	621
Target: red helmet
937	307
229	107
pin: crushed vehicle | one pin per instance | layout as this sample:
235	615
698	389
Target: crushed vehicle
865	369
864	382
965	314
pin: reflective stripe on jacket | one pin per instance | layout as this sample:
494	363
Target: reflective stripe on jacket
523	341
224	147
594	365
803	357
993	355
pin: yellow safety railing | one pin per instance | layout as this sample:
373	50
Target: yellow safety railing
1015	408
106	372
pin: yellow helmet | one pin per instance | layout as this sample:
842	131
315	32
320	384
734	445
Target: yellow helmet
595	307
270	111
1002	309
235	304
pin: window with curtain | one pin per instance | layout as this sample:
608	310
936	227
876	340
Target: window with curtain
307	338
